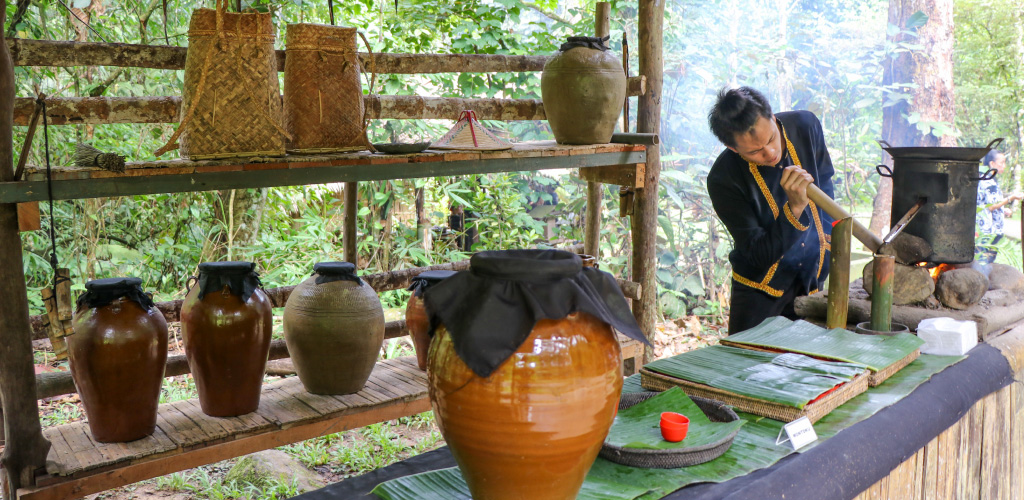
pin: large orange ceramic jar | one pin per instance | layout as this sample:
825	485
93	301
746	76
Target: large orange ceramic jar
117	357
416	315
226	323
525	371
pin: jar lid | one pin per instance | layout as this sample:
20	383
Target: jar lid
102	292
490	310
426	279
590	42
239	276
335	271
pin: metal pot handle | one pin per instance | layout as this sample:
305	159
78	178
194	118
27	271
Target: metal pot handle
879	168
987	176
994	143
881	142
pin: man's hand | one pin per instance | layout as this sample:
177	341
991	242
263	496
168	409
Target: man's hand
794	182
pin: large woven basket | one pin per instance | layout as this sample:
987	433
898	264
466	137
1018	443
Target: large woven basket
673	458
323	97
655	381
231	105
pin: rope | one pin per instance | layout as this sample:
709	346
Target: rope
49	194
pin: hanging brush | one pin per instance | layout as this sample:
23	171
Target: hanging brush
88	156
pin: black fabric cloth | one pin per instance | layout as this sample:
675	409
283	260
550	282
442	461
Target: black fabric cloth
326	272
99	293
590	42
770	250
750	307
426	279
840	468
240	277
490	310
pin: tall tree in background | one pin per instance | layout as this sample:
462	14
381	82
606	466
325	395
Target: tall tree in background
920	80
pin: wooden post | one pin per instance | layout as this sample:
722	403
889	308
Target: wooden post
595	204
26	448
839	274
348	237
881	293
651	17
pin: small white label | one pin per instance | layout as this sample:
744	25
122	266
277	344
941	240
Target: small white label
799	433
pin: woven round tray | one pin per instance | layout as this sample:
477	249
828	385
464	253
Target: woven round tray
672	459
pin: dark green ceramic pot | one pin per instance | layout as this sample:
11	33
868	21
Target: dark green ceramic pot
583	91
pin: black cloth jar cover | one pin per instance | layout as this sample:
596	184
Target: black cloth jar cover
590	42
426	279
240	277
102	292
327	272
491	309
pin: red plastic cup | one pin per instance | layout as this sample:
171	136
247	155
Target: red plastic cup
674	426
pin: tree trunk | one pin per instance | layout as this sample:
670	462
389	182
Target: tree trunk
233	211
645	212
784	80
25	448
931	69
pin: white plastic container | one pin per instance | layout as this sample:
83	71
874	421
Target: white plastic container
947	336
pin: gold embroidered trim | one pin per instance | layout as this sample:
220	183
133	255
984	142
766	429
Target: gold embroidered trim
763	285
764	189
821	237
792	218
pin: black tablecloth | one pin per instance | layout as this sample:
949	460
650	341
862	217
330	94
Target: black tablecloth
838	468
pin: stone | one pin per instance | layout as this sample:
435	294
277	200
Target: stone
262	468
908	249
1004	277
910	283
960	288
999	298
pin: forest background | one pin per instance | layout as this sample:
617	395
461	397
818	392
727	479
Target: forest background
827	56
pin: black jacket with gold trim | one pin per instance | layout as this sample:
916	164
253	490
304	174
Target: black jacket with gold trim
772	247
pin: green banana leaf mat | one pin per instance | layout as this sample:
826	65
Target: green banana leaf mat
753	448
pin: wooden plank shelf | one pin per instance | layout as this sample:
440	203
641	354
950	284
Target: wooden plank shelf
186	437
175	176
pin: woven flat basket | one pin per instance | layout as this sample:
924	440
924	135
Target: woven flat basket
231	105
673	459
875	379
655	381
323	97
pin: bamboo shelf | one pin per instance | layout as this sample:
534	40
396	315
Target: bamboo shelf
175	176
186	437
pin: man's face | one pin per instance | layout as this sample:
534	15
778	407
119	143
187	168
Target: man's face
999	163
762	144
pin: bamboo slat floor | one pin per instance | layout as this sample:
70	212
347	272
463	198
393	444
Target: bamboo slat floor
287	413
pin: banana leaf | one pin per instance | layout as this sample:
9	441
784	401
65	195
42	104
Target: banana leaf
788	379
638	426
753	448
877	352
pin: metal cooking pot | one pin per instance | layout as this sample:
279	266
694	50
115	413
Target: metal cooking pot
948	179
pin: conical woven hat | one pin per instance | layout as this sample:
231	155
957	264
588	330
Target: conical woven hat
469	134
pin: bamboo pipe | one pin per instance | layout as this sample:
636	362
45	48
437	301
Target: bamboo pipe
884	270
839	274
837	212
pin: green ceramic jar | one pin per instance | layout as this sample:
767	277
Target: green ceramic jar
583	88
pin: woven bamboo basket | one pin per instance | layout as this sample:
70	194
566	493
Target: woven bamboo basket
875	379
231	105
323	97
813	411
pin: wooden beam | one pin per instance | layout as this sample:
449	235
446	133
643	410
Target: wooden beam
619	175
350	210
650	18
77	487
25	447
595	202
296	171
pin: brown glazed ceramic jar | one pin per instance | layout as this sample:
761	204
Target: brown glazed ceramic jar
117	356
334	327
226	323
527	423
583	88
416	315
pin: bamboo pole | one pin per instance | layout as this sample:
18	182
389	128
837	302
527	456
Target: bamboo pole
26	147
25	447
651	16
348	237
881	292
595	203
839	274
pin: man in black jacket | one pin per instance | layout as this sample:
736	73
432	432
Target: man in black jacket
758	187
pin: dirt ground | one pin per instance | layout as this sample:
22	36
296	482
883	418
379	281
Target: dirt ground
671	337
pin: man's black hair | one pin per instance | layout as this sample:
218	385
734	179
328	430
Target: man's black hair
735	112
